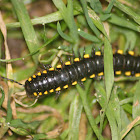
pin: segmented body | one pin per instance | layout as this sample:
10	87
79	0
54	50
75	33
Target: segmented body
52	80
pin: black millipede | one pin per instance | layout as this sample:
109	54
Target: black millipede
70	73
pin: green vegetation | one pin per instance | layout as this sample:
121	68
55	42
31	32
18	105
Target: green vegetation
105	109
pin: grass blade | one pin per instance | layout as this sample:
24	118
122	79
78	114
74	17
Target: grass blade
128	11
96	6
74	118
67	14
63	35
88	36
110	6
9	109
92	121
102	98
136	109
127	126
27	28
123	23
3	96
108	68
53	17
96	20
91	24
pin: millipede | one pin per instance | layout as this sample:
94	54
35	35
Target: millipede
70	73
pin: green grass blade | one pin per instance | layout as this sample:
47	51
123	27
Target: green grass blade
26	26
131	38
4	128
126	127
53	17
108	68
3	96
114	19
88	36
17	123
109	76
41	137
9	110
91	24
115	105
64	134
136	109
83	95
74	118
62	8
102	98
96	6
104	17
109	7
72	24
128	11
67	14
126	101
20	131
112	109
63	35
97	22
1	40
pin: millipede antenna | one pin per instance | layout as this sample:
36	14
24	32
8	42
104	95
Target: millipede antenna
12	80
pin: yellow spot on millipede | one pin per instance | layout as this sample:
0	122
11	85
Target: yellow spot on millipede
39	73
76	60
137	75
118	72
51	69
52	90
84	79
58	89
40	93
86	56
66	86
128	73
100	74
30	79
67	63
131	53
46	92
44	71
34	76
98	53
35	94
59	66
92	76
120	51
74	83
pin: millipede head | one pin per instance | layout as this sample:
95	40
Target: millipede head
28	90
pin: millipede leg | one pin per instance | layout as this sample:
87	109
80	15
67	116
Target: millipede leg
46	66
69	58
79	54
73	54
83	52
57	94
100	51
60	60
81	84
93	52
